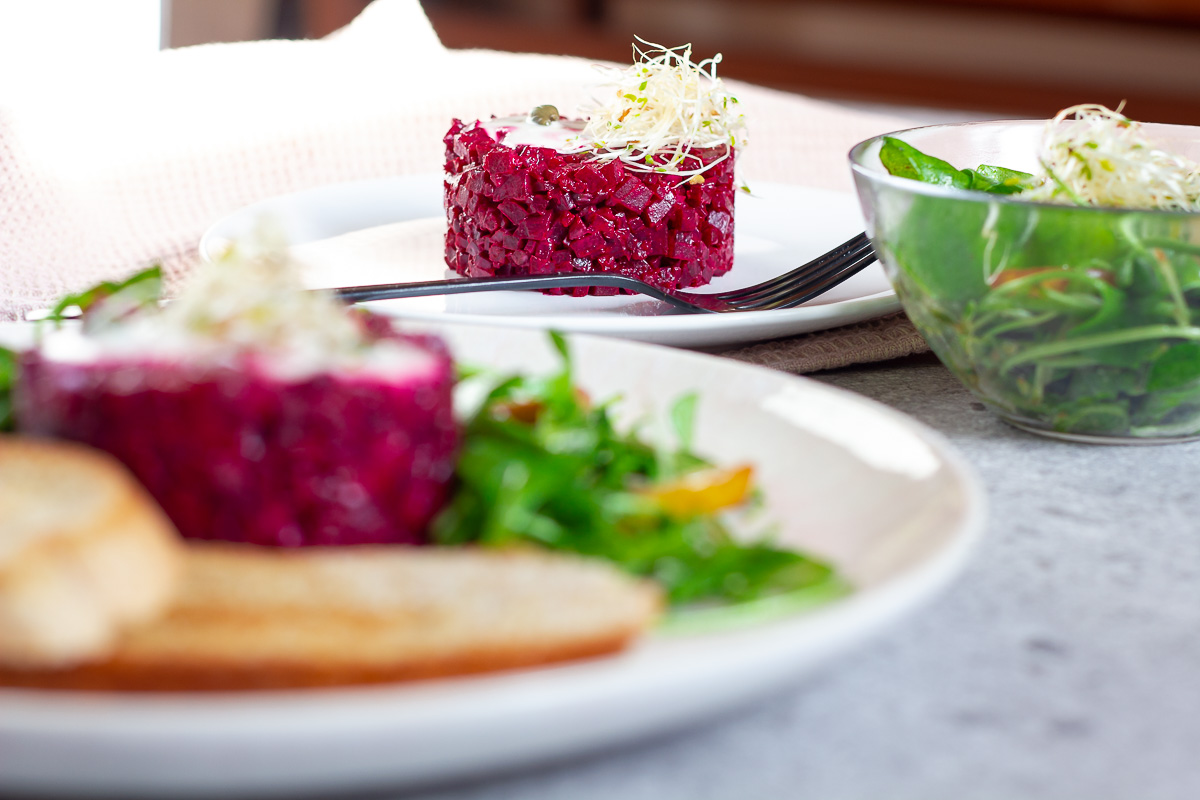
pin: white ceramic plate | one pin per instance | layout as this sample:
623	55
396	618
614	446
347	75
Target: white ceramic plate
390	231
883	497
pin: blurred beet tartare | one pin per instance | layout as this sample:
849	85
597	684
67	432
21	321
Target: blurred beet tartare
256	412
644	187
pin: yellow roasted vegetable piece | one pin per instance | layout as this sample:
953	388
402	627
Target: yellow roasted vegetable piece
704	492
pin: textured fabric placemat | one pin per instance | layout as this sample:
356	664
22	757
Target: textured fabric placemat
127	163
880	339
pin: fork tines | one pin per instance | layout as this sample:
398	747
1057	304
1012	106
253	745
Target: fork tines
807	281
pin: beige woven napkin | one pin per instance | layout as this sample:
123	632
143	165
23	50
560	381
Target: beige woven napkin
880	339
128	162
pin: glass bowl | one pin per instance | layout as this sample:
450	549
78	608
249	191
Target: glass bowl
1072	322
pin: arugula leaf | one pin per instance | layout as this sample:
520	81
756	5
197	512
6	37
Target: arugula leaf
140	289
8	375
540	464
1176	368
1000	180
683	418
905	161
560	344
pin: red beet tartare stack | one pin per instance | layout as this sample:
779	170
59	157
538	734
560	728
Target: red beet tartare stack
645	187
254	411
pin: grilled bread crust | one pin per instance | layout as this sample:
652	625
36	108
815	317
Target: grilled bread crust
259	618
85	554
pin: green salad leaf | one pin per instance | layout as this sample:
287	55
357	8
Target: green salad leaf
8	374
902	159
118	297
1090	320
542	464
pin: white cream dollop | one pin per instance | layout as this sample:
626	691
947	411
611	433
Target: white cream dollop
561	135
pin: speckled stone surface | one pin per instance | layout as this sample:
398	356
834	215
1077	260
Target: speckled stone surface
1063	665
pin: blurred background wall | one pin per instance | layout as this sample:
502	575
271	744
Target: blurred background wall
988	57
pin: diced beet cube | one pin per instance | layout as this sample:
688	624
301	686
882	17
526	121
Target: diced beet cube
634	247
721	220
683	245
657	211
613	174
588	246
689	219
514	186
664	189
657	242
489	220
634	195
514	211
532	227
499	162
590	180
534	160
480	268
604	225
559	200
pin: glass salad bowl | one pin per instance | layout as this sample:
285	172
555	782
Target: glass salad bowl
1076	322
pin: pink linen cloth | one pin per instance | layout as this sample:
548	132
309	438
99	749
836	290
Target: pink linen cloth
129	162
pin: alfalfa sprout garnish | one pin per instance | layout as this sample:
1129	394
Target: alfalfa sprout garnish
662	110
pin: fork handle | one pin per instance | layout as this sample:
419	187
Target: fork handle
559	280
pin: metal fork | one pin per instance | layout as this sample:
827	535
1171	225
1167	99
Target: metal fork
785	291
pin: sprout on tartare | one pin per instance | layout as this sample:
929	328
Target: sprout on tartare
663	108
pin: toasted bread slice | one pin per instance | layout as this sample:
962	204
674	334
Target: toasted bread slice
258	618
84	553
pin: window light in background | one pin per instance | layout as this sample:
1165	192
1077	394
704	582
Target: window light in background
44	41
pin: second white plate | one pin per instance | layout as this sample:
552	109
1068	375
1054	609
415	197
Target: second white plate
390	231
881	496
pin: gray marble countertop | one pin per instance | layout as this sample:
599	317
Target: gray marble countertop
1064	664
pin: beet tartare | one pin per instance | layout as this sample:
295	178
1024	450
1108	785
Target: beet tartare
644	187
257	413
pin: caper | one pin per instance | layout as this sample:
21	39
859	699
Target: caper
544	115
